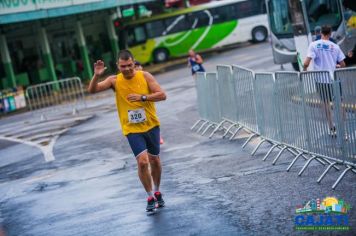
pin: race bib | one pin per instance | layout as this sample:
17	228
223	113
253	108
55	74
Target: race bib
196	68
137	116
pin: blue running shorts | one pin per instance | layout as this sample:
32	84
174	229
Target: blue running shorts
140	142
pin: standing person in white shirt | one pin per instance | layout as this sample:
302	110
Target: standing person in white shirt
326	55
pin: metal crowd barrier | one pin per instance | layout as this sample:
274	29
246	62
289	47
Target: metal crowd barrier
245	101
295	99
52	97
291	120
268	118
209	106
200	97
214	114
226	100
316	109
201	87
347	116
312	115
291	110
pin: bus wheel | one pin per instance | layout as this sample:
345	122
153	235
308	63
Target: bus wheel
295	66
259	34
160	55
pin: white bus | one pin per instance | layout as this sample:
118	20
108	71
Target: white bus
319	12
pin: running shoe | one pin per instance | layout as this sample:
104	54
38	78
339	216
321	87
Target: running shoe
159	199
151	204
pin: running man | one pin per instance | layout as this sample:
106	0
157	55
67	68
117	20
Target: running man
326	55
136	92
138	66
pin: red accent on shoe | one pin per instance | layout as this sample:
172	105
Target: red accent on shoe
150	198
157	193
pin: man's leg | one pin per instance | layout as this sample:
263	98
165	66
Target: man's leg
138	146
153	150
144	172
327	109
156	170
325	92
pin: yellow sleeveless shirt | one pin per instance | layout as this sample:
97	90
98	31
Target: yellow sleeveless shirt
135	117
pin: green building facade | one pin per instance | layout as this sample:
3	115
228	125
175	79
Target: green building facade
47	40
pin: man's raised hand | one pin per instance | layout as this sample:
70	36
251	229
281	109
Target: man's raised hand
99	68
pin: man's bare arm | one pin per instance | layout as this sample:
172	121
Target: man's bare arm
199	59
157	93
94	86
306	63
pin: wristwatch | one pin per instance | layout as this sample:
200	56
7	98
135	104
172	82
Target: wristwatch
143	98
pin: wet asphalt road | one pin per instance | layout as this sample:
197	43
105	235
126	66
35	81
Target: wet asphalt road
211	186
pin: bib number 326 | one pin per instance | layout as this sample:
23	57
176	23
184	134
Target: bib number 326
137	116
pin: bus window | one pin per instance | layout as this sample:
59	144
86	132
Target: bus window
246	9
225	13
176	24
136	36
263	8
155	28
199	19
217	17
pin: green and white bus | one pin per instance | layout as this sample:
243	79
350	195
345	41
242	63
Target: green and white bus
200	28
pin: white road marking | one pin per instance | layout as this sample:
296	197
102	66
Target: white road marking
47	150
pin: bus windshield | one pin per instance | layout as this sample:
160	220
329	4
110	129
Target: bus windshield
320	12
